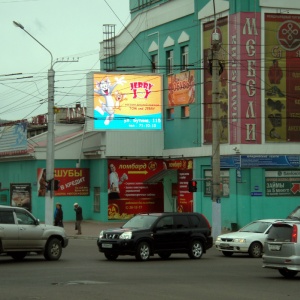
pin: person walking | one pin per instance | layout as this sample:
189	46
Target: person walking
58	215
78	211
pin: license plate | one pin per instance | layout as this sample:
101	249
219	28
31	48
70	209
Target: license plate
106	245
224	246
274	247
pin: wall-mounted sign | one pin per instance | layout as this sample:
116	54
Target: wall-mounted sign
127	101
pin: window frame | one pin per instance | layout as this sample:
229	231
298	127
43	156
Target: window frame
184	55
170	61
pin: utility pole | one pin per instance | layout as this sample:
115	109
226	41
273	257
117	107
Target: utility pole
216	200
49	198
50	135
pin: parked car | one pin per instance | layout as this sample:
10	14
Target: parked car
282	248
295	214
21	233
249	239
158	233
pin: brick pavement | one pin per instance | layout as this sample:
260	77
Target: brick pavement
90	229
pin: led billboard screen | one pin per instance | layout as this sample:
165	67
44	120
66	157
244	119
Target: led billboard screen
127	101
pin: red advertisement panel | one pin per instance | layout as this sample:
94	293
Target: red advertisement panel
72	182
234	101
128	194
184	174
282	100
250	77
222	28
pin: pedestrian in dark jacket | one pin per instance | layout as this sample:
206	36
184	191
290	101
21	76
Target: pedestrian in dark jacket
58	215
78	211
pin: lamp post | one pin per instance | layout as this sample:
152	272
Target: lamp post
49	198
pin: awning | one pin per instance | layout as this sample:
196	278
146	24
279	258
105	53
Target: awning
160	176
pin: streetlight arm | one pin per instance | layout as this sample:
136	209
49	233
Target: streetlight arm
23	28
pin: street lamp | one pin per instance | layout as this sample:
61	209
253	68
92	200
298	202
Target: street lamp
49	198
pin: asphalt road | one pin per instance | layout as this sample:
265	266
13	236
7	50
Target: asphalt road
84	273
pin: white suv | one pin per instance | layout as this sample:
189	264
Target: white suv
282	248
21	233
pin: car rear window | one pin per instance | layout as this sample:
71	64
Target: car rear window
280	233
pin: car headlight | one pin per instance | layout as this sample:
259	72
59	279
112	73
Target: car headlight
218	239
126	235
239	240
101	234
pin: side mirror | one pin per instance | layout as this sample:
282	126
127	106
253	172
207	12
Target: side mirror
37	222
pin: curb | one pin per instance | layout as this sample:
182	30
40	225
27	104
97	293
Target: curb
82	237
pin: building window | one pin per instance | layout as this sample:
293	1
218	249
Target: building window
170	56
96	199
185	111
170	114
184	58
154	63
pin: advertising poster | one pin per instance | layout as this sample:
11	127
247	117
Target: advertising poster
282	77
282	183
72	182
184	175
181	88
245	78
127	102
13	139
127	192
21	195
224	185
222	29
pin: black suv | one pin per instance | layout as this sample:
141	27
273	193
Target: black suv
158	233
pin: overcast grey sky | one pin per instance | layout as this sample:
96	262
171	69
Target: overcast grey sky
69	29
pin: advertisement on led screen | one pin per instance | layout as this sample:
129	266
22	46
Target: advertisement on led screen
127	102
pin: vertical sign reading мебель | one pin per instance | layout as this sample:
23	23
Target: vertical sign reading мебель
222	29
127	101
244	78
282	77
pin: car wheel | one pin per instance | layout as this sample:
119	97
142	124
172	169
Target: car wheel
255	250
53	249
227	253
196	250
164	255
111	256
287	273
142	251
18	255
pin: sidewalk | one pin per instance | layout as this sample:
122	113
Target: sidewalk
90	229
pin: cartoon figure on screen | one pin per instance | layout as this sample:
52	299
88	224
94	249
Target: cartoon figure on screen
105	89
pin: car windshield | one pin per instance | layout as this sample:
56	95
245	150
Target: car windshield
140	221
258	227
295	214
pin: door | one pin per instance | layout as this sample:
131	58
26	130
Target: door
164	234
8	230
30	234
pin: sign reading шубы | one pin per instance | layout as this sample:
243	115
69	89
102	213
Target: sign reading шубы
72	181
